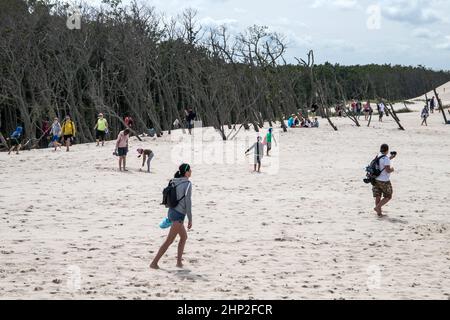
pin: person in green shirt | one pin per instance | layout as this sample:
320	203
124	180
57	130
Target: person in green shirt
101	129
268	140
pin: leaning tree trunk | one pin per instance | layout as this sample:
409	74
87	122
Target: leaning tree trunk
395	117
441	107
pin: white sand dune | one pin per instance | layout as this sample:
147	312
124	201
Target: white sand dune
306	232
443	92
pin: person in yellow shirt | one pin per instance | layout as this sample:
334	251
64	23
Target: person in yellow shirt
68	130
101	129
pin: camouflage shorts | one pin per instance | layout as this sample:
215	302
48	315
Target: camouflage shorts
382	188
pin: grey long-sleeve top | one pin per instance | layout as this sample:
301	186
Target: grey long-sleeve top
184	188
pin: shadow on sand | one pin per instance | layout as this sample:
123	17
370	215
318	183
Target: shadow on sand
394	220
186	274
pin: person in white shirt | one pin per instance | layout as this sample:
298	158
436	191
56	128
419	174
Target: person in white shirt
381	111
382	189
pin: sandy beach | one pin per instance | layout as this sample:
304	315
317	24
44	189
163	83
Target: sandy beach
73	227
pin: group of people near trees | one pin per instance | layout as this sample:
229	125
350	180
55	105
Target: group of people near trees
298	121
358	108
60	134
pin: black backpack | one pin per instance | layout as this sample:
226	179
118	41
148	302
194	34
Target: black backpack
170	199
373	171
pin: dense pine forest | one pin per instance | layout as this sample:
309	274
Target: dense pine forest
131	60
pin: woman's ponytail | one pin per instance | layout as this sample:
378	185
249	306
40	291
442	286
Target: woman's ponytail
182	170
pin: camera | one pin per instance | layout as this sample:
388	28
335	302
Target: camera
367	180
393	153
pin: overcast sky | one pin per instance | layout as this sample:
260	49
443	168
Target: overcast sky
408	32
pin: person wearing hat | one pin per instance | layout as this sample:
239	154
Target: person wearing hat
148	155
101	128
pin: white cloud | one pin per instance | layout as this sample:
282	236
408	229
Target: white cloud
445	45
231	24
413	11
342	4
425	33
345	4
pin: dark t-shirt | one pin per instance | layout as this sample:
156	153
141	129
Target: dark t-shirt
191	116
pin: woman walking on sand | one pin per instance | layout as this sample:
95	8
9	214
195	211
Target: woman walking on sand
178	214
122	148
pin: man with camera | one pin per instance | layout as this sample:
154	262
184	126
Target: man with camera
382	188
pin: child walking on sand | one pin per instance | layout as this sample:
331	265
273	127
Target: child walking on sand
268	140
56	133
148	155
259	153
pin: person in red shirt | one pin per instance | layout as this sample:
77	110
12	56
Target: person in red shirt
128	121
45	133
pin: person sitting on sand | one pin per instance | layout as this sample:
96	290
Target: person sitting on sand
259	153
383	186
425	114
177	215
296	122
291	121
303	123
315	123
306	123
68	131
16	140
148	155
56	133
122	148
